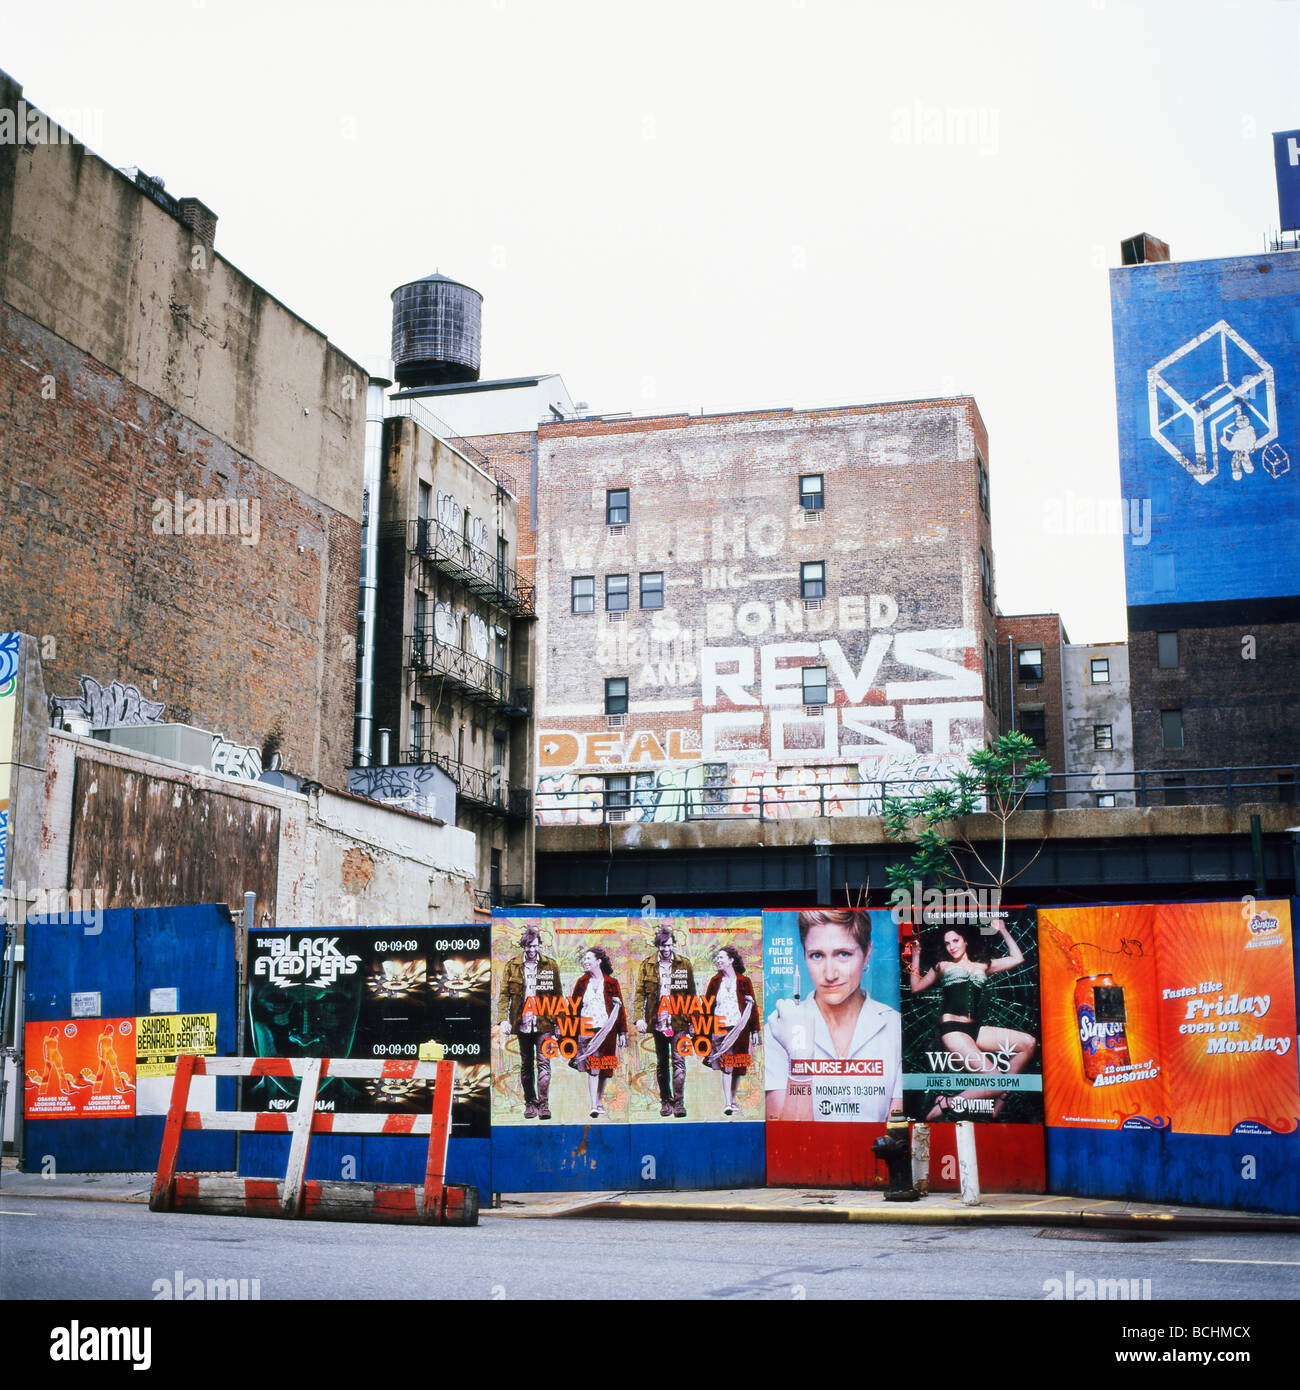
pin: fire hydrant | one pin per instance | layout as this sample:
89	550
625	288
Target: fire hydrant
895	1147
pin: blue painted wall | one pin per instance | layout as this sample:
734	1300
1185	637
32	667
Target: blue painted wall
1223	538
190	948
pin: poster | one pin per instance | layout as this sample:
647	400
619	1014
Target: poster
832	1028
80	1068
971	1024
1227	1016
161	1038
640	1019
372	993
1103	1059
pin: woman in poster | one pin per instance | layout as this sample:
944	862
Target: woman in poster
600	1003
841	1021
735	1006
963	971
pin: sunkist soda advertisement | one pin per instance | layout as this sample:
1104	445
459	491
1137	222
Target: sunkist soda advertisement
80	1068
1227	1016
1174	1015
970	1006
615	1018
833	1032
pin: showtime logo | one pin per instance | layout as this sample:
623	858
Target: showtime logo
965	1105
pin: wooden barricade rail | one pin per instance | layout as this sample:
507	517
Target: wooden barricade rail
436	1202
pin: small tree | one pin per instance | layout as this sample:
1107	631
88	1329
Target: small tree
999	779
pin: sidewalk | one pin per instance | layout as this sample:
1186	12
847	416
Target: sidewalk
753	1204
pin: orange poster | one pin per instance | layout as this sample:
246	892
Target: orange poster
80	1068
1227	1016
1102	1054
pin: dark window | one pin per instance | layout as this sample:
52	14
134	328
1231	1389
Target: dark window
812	580
1286	788
1105	799
1166	650
584	594
1033	724
983	484
1029	665
494	877
421	620
616	506
425	502
1171	728
990	679
417	728
616	597
986	580
503	560
618	792
811	496
1101	736
616	695
652	589
1100	670
1175	791
814	685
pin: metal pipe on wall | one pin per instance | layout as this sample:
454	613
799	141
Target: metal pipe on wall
368	596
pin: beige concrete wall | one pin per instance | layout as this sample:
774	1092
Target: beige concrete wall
342	859
92	258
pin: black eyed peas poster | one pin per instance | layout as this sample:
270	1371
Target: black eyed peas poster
373	993
971	1031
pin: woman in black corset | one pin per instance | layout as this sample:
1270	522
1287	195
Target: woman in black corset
962	970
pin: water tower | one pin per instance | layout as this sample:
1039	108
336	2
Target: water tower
436	323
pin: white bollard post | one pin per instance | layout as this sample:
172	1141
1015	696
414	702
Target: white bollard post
967	1166
921	1157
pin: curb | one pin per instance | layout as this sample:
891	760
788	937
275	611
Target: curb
7	1193
739	1211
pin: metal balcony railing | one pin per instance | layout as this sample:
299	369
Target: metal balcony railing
775	800
480	787
431	660
447	551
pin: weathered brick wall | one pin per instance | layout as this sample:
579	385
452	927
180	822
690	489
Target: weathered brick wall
1237	688
243	639
713	676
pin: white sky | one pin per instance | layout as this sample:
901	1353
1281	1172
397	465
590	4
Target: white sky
726	203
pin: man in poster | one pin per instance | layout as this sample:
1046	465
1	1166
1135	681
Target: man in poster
665	987
530	976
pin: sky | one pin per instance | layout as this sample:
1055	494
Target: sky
724	204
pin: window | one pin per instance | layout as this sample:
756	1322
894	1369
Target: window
1100	670
1101	736
1029	665
616	506
652	590
990	679
1175	791
811	496
425	502
1171	728
616	593
503	560
814	685
616	695
812	580
618	792
417	728
1105	799
983	478
1166	650
584	594
986	580
422	633
1033	724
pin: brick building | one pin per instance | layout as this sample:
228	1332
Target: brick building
180	468
1031	681
786	605
1207	366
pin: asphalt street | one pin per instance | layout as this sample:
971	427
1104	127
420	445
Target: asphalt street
108	1250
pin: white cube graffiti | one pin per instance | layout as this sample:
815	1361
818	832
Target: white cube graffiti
1215	392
